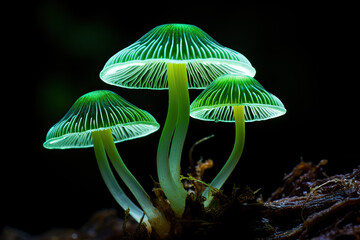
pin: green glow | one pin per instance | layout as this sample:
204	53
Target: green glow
175	57
110	179
99	119
173	137
98	110
156	218
215	102
235	155
234	98
143	63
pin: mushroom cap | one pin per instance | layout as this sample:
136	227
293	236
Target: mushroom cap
143	64
95	111
216	101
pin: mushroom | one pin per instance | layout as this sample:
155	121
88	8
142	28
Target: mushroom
177	57
100	119
234	98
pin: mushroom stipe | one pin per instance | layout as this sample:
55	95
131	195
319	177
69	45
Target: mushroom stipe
111	181
173	136
234	158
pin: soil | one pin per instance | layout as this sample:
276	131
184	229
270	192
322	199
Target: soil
309	205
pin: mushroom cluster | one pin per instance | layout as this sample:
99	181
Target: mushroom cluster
177	57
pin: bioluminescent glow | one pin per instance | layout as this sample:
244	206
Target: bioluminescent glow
177	57
143	63
234	98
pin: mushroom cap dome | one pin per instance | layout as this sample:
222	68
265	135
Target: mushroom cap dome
96	111
216	101
143	63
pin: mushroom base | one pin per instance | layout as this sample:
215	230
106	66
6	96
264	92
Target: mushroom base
309	205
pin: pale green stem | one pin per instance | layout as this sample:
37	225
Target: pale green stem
235	155
182	123
155	217
111	182
173	134
162	157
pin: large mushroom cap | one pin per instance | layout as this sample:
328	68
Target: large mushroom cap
99	110
216	101
143	64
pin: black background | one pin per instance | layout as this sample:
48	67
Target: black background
305	54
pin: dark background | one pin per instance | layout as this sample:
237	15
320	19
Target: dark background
307	55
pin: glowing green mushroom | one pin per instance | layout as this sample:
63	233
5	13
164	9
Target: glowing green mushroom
175	57
234	98
100	119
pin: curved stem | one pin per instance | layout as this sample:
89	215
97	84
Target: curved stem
173	137
155	217
111	182
235	155
181	82
162	157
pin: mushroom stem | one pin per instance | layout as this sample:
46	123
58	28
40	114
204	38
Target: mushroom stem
173	137
155	217
235	155
111	182
182	123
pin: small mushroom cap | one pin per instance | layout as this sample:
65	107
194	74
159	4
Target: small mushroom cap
216	101
143	64
99	110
